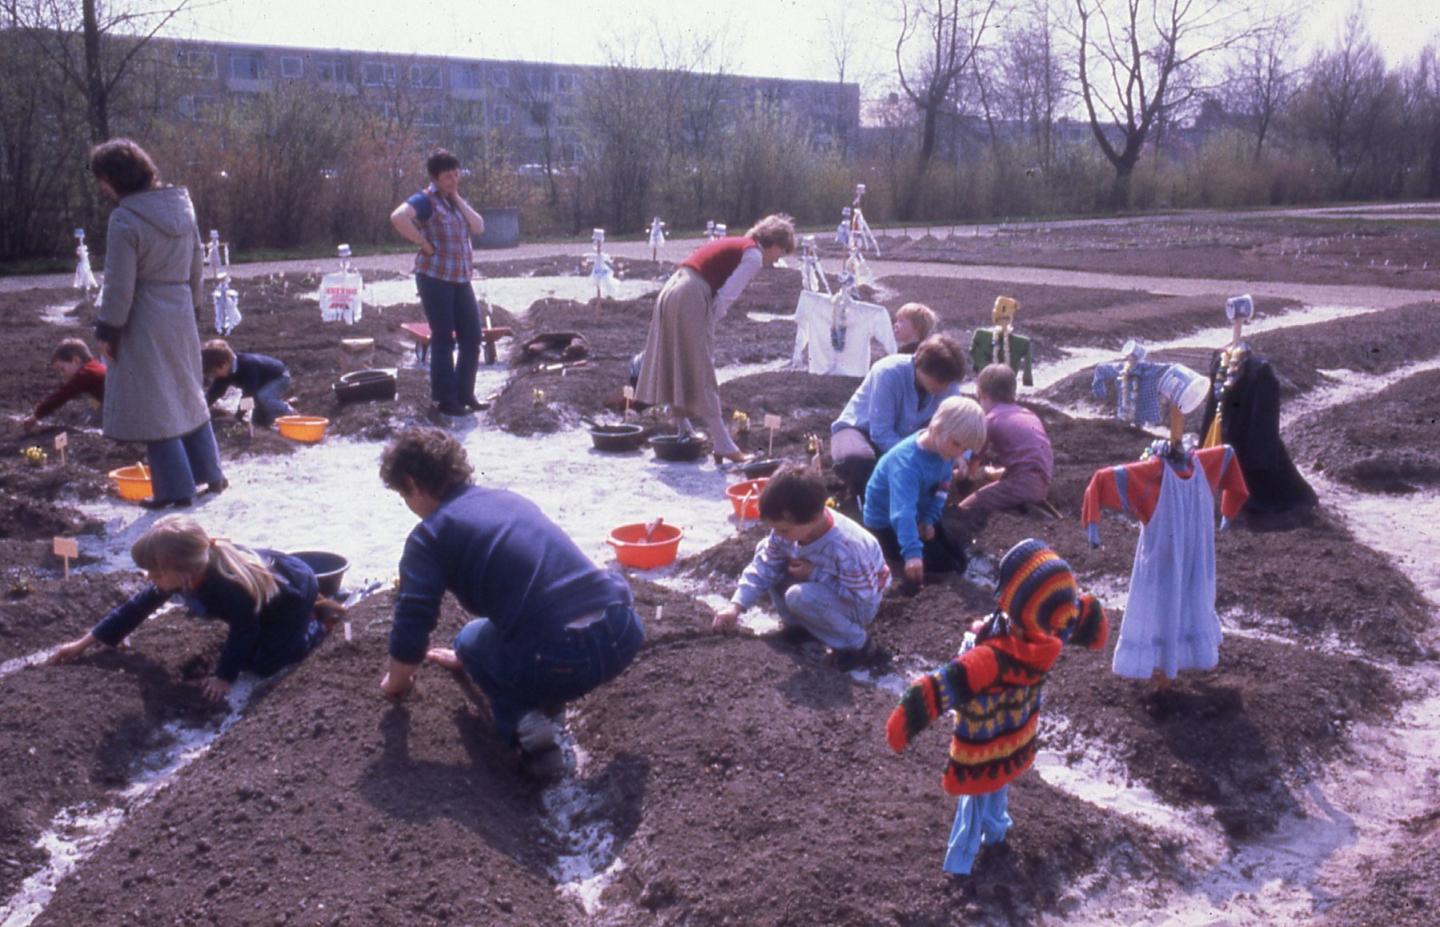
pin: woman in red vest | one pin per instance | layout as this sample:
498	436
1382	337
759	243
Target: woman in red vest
678	369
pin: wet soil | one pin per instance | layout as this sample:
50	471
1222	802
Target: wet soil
75	733
1386	442
327	805
729	787
1401	888
1289	249
540	399
743	781
1056	316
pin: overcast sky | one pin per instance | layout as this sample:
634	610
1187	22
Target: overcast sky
782	38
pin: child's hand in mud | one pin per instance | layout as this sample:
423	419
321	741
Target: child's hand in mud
915	570
71	651
215	689
726	619
398	681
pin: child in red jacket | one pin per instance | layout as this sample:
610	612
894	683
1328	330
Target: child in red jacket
82	373
993	687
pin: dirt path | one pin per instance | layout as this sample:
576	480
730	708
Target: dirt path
1377	296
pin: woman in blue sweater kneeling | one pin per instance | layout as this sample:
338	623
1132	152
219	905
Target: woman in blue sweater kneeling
556	625
270	600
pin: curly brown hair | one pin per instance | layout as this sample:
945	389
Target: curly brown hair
430	457
124	165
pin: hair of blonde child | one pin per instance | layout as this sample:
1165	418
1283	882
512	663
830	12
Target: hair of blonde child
961	420
921	318
178	544
776	229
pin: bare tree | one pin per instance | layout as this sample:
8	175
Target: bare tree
940	39
1349	100
109	36
42	137
1130	56
1262	79
1422	96
1033	79
533	94
843	38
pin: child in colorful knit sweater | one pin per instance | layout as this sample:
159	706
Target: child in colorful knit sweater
993	687
824	572
906	493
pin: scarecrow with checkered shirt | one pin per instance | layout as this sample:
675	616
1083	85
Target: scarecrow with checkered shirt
993	687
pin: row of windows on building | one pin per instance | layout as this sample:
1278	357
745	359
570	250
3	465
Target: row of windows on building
463	75
423	113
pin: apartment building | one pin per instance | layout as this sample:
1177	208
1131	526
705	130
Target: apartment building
535	109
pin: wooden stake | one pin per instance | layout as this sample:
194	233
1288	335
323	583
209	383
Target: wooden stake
771	423
629	397
65	548
62	441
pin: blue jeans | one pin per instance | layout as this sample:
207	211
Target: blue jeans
980	821
177	464
454	319
833	619
560	667
270	401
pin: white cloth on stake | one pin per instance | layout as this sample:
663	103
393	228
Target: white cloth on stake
863	323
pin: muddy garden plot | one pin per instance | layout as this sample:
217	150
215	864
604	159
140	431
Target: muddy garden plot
727	780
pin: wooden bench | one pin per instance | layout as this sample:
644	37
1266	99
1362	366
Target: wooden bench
419	332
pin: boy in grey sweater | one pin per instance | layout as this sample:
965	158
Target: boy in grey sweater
824	572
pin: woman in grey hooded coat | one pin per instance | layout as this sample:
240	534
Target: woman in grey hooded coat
146	326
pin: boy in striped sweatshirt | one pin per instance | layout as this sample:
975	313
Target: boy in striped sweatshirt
824	572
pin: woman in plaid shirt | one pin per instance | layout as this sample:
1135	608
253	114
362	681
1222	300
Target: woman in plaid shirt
440	221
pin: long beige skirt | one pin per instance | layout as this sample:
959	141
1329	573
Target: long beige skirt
678	369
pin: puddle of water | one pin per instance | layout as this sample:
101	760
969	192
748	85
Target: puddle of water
19	663
346	508
1089	772
575	817
515	294
60	314
736	371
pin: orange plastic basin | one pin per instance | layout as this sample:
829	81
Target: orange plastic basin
132	482
633	550
745	497
306	428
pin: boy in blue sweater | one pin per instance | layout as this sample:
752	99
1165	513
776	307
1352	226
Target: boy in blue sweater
906	493
258	376
556	625
824	573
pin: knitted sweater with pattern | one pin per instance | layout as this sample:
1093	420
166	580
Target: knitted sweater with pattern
994	691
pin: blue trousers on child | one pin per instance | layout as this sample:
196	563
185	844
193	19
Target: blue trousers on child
270	401
834	620
519	676
980	821
177	464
